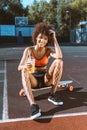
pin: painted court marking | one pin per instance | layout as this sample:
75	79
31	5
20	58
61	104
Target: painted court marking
5	98
45	117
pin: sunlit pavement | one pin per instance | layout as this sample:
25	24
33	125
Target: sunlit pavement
75	61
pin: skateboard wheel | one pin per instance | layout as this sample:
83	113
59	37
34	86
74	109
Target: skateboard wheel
70	88
22	93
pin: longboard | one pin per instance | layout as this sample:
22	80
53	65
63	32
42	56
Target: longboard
61	84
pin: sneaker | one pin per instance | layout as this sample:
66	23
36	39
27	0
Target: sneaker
53	100
35	111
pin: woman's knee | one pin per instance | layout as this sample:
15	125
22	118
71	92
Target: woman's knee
25	73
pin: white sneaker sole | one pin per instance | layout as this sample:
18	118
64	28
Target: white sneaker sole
35	116
56	103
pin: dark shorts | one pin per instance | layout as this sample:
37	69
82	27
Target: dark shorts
40	78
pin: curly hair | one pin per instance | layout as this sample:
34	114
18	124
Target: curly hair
42	28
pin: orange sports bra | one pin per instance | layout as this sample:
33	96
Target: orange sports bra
41	62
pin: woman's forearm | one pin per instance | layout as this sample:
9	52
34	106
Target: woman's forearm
57	49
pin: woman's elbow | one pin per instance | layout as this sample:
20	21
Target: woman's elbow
19	68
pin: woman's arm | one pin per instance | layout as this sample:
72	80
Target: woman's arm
22	64
58	52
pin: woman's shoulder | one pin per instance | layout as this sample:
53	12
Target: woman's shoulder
29	48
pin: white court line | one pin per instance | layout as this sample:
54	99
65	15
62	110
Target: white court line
77	56
2	71
45	117
5	98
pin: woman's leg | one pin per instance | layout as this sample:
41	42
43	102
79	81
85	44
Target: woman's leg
28	81
54	74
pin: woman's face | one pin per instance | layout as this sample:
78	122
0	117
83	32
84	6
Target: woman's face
41	40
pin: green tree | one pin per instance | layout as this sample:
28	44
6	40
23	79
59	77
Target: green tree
43	11
53	13
71	15
9	9
63	14
37	12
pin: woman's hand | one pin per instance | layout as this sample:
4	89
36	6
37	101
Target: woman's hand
29	66
52	33
58	52
26	66
22	67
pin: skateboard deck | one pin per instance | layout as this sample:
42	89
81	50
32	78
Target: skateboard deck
61	84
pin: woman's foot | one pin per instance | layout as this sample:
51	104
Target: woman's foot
35	111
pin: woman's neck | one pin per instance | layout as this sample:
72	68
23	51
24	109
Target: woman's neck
37	48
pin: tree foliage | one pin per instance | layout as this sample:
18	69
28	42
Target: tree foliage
54	12
42	10
77	11
9	9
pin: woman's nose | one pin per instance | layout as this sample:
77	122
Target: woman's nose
42	40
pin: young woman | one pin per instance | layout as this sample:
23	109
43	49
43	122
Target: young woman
42	36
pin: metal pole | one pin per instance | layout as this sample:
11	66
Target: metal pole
69	13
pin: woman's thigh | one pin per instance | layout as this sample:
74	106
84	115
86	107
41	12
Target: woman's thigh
47	79
50	73
33	81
